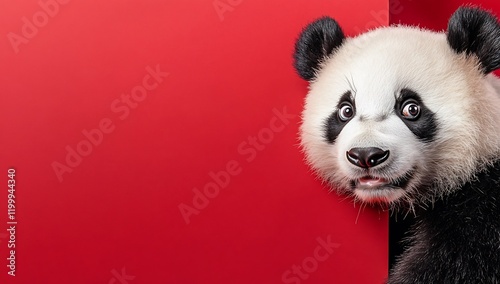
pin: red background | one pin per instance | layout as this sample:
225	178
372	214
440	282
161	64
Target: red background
116	213
433	14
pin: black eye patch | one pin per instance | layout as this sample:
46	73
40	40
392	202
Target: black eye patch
426	126
333	124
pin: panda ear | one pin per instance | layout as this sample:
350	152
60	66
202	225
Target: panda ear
318	40
475	31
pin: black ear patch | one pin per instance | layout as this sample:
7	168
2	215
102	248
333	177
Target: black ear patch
318	40
475	31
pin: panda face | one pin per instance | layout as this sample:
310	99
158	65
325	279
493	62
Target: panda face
374	125
396	114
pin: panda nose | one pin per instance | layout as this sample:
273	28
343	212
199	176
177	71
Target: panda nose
367	157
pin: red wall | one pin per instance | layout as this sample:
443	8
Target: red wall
433	14
118	116
156	142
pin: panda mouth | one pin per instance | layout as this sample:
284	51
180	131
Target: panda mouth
380	190
369	182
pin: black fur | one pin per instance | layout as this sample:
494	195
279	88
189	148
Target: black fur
458	239
318	40
333	125
400	223
425	127
477	32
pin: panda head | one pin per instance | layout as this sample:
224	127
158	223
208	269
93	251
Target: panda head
400	115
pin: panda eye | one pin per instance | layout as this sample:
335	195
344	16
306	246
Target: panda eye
410	110
346	112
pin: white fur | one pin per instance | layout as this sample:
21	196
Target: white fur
375	67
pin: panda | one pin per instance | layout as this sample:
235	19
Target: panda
409	119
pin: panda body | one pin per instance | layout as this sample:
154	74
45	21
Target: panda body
410	118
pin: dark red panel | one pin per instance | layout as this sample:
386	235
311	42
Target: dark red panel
433	14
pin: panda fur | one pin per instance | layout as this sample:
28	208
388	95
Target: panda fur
409	119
